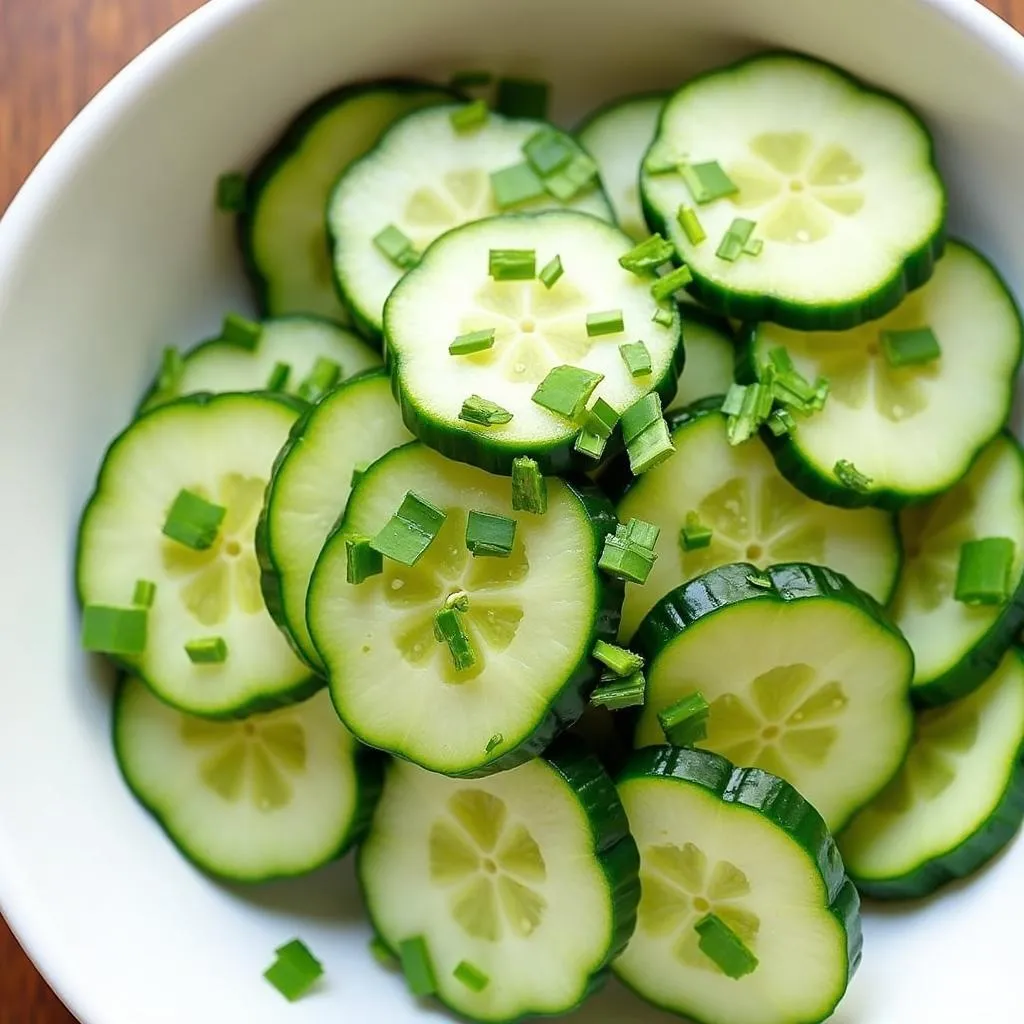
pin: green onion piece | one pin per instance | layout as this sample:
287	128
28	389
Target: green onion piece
381	952
781	423
320	380
357	474
523	97
145	592
483	412
607	322
910	348
790	387
691	225
515	185
983	573
577	176
600	419
566	390
490	535
625	559
529	488
780	358
719	943
665	287
361	560
449	629
647	255
551	272
414	957
295	971
735	238
458	600
616	694
109	630
686	721
193	521
753	246
617	659
663	317
172	367
393	243
239	330
707	182
756	403
759	580
848	475
278	377
548	151
207	650
470	79
590	444
474	341
410	531
472	977
231	192
512	264
732	404
495	741
638	531
694	535
642	414
645	433
471	117
636	357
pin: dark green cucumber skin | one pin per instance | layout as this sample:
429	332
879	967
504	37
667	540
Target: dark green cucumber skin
777	801
918	265
614	849
368	768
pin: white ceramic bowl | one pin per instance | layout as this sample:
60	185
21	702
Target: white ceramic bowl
113	250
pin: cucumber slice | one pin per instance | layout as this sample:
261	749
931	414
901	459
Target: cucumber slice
754	515
533	618
348	430
283	236
617	136
747	847
425	178
839	178
957	801
450	293
297	341
710	355
530	876
221	447
806	678
912	430
275	796
957	646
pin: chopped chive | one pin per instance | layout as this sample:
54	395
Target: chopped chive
239	330
381	953
694	535
983	572
732	404
529	488
580	174
193	521
617	659
780	358
393	243
707	181
753	246
414	957
172	367
789	386
145	592
523	97
459	600
548	151
110	630
279	377
663	317
648	255
636	357
473	78
515	185
361	560
600	419
755	403
759	580
590	444
449	629
295	971
616	694
207	650
665	287
410	531
686	721
737	235
551	272
691	225
626	561
720	944
470	117
472	977
608	321
488	534
324	375
566	390
781	423
495	741
638	531
645	434
910	348
358	473
848	475
483	412
474	341
512	264
231	192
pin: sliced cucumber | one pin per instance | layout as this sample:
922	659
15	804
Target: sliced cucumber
274	796
745	846
913	430
533	618
220	447
425	178
956	645
806	678
529	876
957	801
839	178
754	515
348	430
450	293
293	341
617	136
283	235
710	355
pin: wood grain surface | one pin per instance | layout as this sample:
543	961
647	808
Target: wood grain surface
54	55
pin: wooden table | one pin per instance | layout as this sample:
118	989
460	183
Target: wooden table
54	54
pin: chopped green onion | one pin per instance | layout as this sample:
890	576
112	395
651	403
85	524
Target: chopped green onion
600	419
735	238
645	434
983	573
548	151
663	317
636	357
566	390
470	79
512	264
416	966
239	330
515	185
471	117
145	592
590	444
707	182
472	977
551	272
577	176
295	971
607	322
686	721
629	552
691	225
393	243
694	535
641	415
753	246
172	367
781	423
910	348
207	650
381	953
617	659
319	380
760	581
278	377
361	560
474	341
848	475
789	386
109	630
193	521
616	694
488	534
780	358
410	531
448	629
720	944
495	741
732	404
523	97
231	192
638	531
483	412
755	404
665	287
647	255
529	488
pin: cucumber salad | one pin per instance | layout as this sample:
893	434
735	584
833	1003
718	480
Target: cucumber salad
614	537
